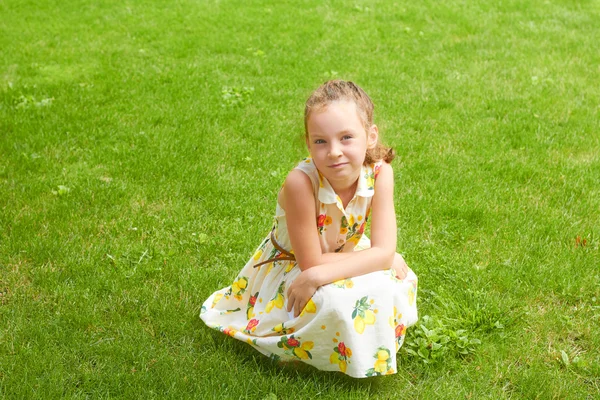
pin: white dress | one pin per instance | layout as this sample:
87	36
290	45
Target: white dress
355	325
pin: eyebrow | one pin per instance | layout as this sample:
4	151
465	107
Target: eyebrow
340	133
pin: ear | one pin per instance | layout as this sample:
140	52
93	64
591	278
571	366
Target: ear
372	136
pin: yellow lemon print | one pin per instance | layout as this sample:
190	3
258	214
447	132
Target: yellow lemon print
276	302
411	296
310	307
363	314
381	366
269	267
383	355
359	324
308	345
344	283
300	353
279	301
218	297
334	358
239	287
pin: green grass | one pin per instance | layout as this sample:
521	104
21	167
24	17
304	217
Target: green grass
132	186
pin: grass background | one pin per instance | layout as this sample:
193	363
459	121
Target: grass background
131	188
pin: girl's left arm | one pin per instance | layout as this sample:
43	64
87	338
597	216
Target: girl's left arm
380	256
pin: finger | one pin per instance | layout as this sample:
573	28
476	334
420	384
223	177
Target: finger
290	302
297	308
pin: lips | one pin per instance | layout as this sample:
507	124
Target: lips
337	165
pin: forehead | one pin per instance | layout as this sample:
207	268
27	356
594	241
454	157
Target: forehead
335	117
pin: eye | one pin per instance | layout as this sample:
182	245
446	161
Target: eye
346	137
319	141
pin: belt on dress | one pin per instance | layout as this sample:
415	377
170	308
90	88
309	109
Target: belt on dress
287	256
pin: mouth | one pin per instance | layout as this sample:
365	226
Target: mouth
339	165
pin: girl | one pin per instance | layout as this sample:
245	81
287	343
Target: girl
317	289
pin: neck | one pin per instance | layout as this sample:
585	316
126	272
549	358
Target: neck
345	193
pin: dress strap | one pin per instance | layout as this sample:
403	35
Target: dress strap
284	256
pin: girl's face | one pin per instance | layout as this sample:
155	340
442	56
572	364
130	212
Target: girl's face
338	143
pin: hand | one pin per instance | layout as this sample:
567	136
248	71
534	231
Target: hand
400	266
301	290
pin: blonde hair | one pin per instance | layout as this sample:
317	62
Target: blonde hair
336	90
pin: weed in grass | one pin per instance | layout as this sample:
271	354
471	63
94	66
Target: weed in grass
24	102
234	96
431	340
61	190
256	52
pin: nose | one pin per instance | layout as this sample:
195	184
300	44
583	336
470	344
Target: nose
334	151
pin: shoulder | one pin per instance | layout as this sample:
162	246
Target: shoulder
297	192
307	166
305	171
384	176
382	166
297	181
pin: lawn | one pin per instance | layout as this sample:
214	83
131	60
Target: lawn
142	144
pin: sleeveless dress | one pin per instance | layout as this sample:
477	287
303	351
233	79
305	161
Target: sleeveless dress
354	325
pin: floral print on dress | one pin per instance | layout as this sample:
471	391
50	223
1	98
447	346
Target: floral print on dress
412	292
399	327
344	283
352	228
383	363
363	314
322	221
251	303
227	330
278	300
252	324
370	177
217	298
239	287
294	347
310	308
282	330
341	356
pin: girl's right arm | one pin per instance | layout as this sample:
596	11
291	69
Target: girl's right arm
298	201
